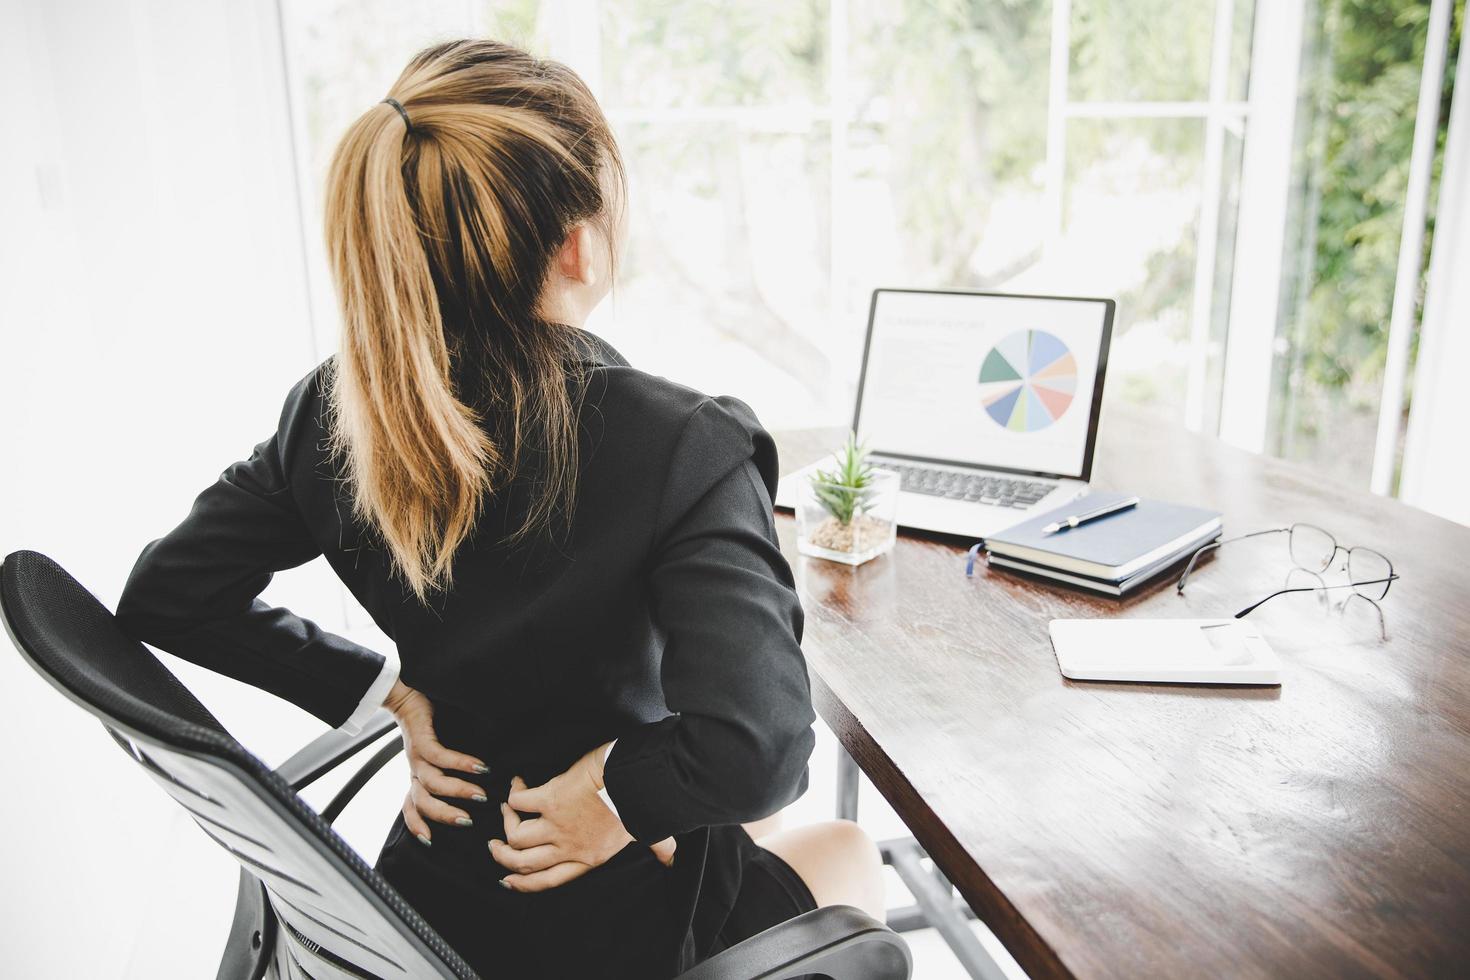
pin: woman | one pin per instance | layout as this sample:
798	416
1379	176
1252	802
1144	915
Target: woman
600	672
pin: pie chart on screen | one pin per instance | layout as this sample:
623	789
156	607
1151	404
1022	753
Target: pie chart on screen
1027	381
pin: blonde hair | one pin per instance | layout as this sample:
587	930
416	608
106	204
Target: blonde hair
441	223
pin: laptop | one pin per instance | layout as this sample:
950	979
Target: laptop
986	404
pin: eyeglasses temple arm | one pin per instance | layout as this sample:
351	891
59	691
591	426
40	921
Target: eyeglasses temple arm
1194	558
1313	588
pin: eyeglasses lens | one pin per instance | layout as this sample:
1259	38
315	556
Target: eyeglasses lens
1311	547
1367	565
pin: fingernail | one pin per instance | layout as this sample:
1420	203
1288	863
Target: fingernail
464	821
503	884
481	768
424	840
493	841
480	798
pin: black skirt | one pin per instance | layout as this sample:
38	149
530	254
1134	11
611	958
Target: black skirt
630	918
770	892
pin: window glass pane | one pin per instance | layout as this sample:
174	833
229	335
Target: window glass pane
345	54
1141	50
948	140
1132	212
660	53
724	284
1360	87
755	242
523	23
1242	26
946	187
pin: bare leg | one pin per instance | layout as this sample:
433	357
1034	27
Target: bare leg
838	861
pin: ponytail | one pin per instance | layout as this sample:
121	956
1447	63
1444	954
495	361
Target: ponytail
439	238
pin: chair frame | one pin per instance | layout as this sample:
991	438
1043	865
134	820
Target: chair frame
838	941
935	904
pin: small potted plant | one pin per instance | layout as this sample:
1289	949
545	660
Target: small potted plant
847	508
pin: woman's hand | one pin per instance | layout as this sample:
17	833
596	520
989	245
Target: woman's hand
573	832
427	760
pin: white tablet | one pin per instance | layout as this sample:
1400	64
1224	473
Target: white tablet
1176	651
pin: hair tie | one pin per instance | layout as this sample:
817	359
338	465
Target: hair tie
402	112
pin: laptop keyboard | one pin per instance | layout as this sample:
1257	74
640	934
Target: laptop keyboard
985	488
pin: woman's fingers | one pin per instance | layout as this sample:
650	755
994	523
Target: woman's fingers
664	850
552	877
450	759
525	799
427	759
510	818
525	833
442	785
434	808
414	822
525	861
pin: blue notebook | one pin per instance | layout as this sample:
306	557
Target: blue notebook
1114	547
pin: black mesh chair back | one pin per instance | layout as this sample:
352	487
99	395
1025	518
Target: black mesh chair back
337	917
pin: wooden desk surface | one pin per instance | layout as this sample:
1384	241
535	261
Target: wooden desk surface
1319	829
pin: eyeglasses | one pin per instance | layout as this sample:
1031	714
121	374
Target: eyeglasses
1312	549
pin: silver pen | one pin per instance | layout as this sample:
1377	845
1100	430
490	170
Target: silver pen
1067	523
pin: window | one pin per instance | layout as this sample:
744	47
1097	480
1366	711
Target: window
1349	180
788	156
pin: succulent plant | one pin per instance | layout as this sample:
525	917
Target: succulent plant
846	490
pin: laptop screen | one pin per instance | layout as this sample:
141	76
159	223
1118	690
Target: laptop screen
1006	382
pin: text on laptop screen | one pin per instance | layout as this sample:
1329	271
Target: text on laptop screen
1003	381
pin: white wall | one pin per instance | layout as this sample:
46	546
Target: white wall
153	316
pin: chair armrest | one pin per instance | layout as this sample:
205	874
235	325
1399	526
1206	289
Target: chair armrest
838	941
360	779
326	752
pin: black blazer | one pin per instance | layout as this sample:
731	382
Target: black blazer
666	619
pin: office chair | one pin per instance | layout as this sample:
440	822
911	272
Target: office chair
309	908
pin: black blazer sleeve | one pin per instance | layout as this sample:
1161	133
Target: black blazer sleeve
736	748
194	591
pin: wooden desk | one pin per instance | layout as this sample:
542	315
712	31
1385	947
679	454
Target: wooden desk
1319	829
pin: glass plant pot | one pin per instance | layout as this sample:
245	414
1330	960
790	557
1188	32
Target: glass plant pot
870	527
